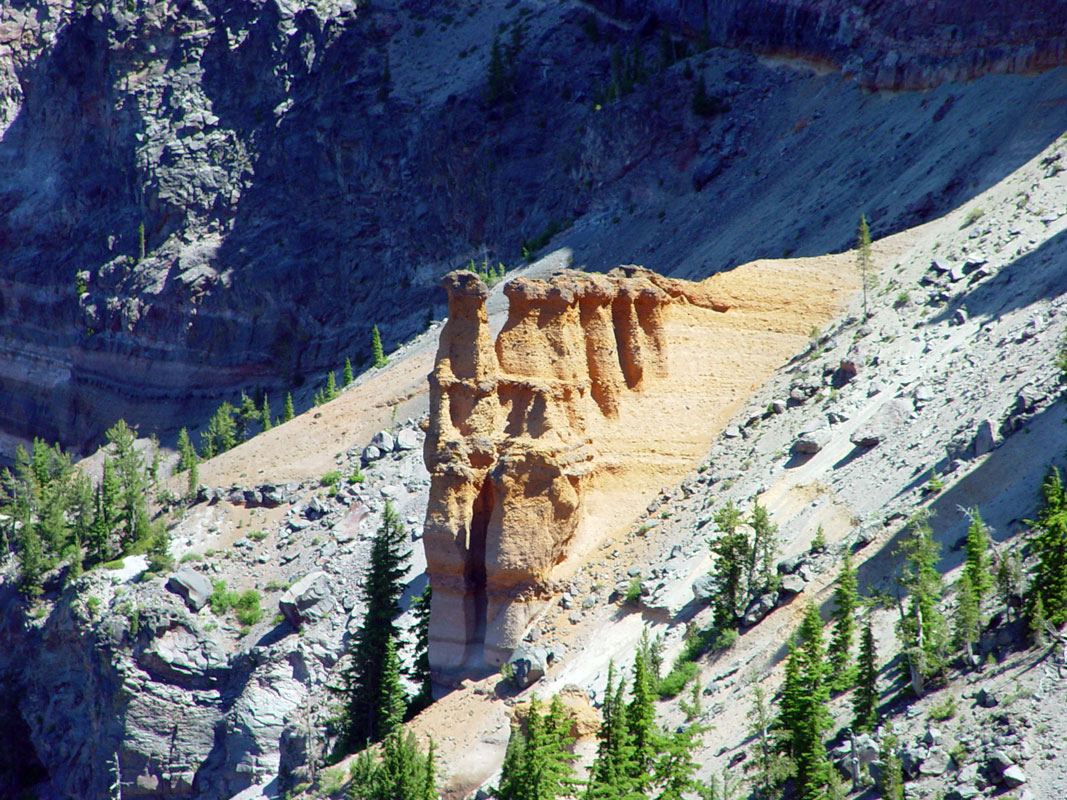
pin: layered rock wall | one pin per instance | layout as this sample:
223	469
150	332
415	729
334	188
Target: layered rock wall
513	438
905	44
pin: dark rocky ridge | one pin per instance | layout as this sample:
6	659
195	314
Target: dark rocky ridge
288	208
898	45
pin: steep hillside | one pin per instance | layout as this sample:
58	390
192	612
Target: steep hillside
303	172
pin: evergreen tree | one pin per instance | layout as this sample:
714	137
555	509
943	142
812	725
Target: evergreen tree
537	765
382	588
1037	621
675	767
609	777
31	561
846	598
391	696
977	566
804	717
922	627
1050	546
401	772
187	455
264	414
761	570
864	262
220	434
892	772
247	415
109	498
192	485
378	358
346	375
288	413
129	467
770	768
641	722
731	552
498	74
967	627
421	668
865	700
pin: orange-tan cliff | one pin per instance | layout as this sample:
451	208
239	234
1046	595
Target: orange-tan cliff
598	390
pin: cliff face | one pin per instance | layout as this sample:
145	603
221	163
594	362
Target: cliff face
596	389
906	44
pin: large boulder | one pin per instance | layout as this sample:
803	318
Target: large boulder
813	437
308	600
885	421
529	664
704	588
384	441
191	586
407	439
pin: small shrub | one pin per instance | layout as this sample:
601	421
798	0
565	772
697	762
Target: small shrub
972	217
118	563
191	557
222	599
257	535
677	679
92	602
943	711
935	484
330	478
903	298
633	592
356	477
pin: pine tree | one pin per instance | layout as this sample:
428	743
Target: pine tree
892	772
247	415
421	668
1050	546
31	561
609	777
401	772
109	497
805	715
378	358
497	74
537	765
922	627
864	262
187	455
382	588
192	485
288	413
220	434
967	620
770	768
1037	621
761	570
675	767
977	565
391	697
846	598
129	468
641	722
865	700
264	414
346	375
731	552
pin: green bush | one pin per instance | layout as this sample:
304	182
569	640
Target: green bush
330	478
356	477
191	557
680	675
633	591
247	608
222	599
943	711
258	535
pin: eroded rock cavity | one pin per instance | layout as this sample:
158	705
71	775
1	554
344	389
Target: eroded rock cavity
515	438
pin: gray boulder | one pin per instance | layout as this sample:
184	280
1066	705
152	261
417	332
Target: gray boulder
984	439
936	763
370	453
885	421
1014	776
529	664
407	439
987	699
790	587
384	441
813	437
759	608
308	600
191	586
704	588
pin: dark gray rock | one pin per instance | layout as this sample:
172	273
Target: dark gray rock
191	586
987	699
528	665
308	600
984	439
760	608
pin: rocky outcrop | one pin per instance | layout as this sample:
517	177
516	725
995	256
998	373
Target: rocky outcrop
511	445
894	45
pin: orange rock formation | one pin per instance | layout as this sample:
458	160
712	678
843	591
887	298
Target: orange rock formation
598	390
